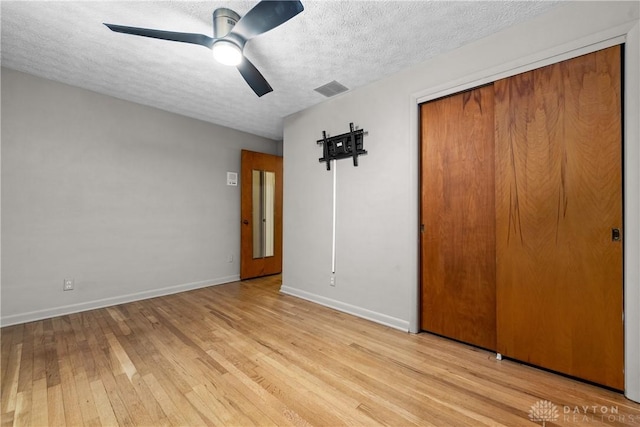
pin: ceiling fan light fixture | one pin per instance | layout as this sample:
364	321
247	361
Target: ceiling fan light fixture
226	52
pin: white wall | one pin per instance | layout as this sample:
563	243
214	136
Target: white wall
377	202
128	200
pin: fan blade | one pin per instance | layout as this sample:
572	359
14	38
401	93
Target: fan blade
200	39
253	77
265	16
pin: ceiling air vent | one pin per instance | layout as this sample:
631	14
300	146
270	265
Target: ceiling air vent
331	89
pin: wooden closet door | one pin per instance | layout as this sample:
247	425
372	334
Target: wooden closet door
257	263
558	197
458	211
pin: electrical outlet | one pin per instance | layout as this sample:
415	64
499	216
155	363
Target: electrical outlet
230	258
67	285
332	281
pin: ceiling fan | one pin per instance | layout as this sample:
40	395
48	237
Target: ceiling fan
230	33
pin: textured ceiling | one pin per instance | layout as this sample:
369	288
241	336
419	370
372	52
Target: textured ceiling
353	42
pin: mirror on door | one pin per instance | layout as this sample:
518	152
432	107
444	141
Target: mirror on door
263	189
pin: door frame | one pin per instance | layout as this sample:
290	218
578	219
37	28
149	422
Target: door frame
628	35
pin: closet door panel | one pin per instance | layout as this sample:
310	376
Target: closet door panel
558	197
458	210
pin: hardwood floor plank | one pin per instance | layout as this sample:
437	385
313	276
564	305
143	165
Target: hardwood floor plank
178	413
40	413
103	406
117	404
50	354
343	377
275	409
205	410
122	361
85	399
218	408
6	338
25	380
11	378
101	360
244	354
72	411
132	401
22	415
6	420
373	378
149	402
121	321
55	406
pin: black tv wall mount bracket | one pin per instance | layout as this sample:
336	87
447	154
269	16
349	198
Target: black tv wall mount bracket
350	144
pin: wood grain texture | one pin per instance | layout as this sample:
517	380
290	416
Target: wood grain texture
458	213
250	267
244	354
558	195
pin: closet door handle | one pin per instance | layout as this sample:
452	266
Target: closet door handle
615	235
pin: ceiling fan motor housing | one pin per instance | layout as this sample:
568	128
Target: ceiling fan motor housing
223	22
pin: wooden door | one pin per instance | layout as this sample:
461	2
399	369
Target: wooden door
458	217
261	215
558	197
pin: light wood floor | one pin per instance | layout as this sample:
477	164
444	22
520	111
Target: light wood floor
243	354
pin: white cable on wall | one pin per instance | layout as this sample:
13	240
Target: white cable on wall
333	243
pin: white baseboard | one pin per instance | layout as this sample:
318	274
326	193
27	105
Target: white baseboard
107	302
383	319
